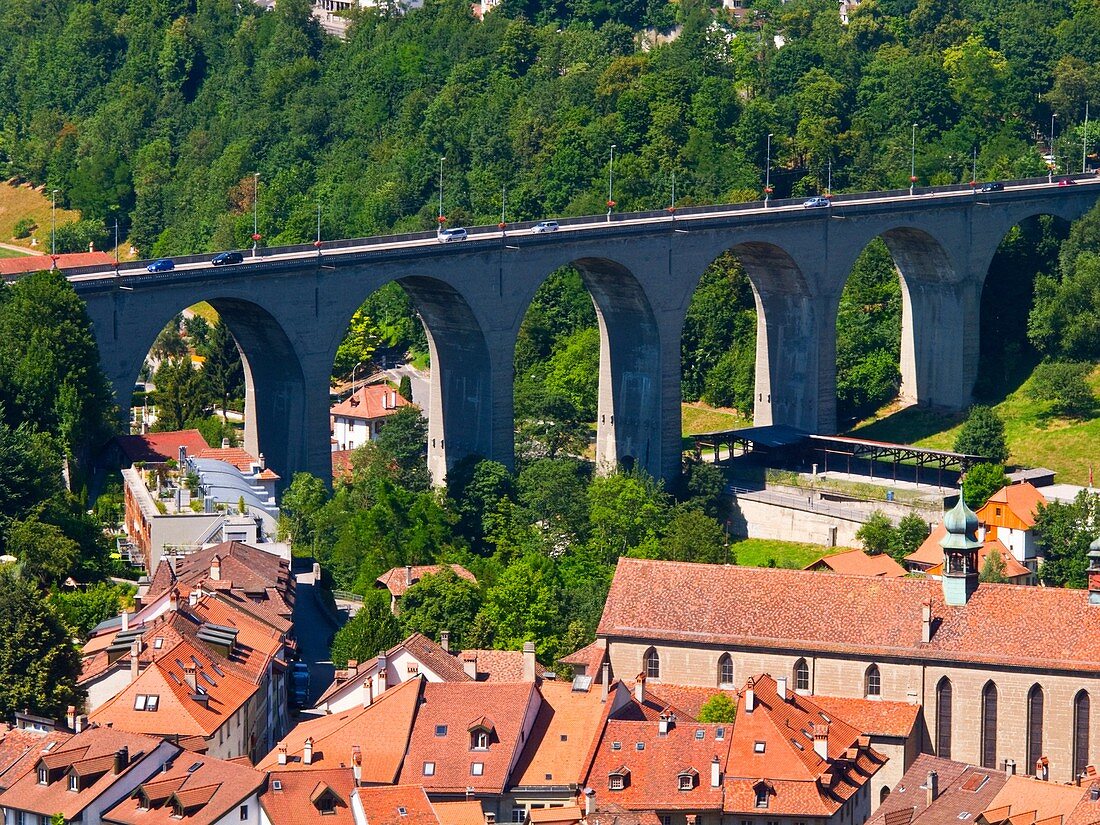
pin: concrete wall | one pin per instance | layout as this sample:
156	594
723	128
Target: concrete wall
289	315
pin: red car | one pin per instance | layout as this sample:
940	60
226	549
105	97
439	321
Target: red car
1067	182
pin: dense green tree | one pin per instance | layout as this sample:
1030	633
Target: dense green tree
1064	532
993	568
877	534
627	512
719	708
443	601
30	469
39	665
911	532
1064	384
299	508
692	535
83	609
982	481
404	437
182	394
476	488
223	369
46	555
524	605
372	630
983	434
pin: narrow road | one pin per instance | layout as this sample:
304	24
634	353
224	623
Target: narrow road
421	386
314	628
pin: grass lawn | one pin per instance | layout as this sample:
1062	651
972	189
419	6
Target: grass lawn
18	202
1035	438
790	554
11	253
697	417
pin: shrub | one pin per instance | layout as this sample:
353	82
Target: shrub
24	227
983	433
1065	385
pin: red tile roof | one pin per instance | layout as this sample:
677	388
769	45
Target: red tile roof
800	781
177	710
290	797
239	458
687	699
380	732
20	749
591	658
799	610
929	556
872	716
206	787
456	705
341	464
398	805
498	665
467	812
1022	500
1035	799
564	732
370	402
69	260
858	563
907	803
156	448
27	794
396	579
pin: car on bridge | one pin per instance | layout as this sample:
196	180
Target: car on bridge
227	258
992	186
816	202
451	235
544	226
161	265
1067	182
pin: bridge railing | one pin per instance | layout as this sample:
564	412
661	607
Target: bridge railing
616	217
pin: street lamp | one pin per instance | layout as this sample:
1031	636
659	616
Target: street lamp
255	212
1085	140
829	185
1053	158
441	220
974	171
610	179
353	371
768	171
53	226
913	161
502	226
317	243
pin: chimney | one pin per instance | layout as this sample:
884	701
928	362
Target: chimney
1042	768
70	717
381	676
174	600
408	575
932	787
225	443
81	723
926	622
135	655
781	688
282	754
715	772
1010	767
750	697
821	741
353	667
263	462
307	751
469	665
606	672
216	568
1094	793
528	661
356	763
125	621
589	801
445	640
639	689
665	723
122	759
368	692
189	677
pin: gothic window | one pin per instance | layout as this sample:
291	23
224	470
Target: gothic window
1034	727
989	725
652	664
725	670
801	675
872	682
943	718
1081	708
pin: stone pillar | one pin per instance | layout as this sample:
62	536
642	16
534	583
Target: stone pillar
939	343
791	353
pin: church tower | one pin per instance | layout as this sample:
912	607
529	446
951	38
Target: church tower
960	553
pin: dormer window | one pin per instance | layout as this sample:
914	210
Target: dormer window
618	779
481	733
685	781
74	782
761	791
43	776
479	740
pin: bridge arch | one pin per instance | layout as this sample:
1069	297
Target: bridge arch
628	412
276	421
459	404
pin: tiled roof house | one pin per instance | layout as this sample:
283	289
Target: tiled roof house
399	579
84	777
321	797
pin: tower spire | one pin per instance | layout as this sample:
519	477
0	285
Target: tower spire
960	553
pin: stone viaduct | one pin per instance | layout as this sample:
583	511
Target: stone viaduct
289	310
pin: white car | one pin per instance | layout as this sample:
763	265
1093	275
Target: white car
450	235
544	226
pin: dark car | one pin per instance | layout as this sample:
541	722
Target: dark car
992	186
226	258
299	684
161	265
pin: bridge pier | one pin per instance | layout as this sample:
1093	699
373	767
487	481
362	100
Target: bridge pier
939	343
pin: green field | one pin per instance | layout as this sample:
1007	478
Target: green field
699	418
790	554
1035	438
11	253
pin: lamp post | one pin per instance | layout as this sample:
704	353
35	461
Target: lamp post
255	212
829	185
974	170
53	225
353	371
672	206
768	172
913	161
610	180
440	219
1053	158
503	225
317	243
1085	141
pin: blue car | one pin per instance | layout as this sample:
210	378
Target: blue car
161	265
227	258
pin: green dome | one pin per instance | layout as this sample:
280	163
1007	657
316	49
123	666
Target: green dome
961	524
